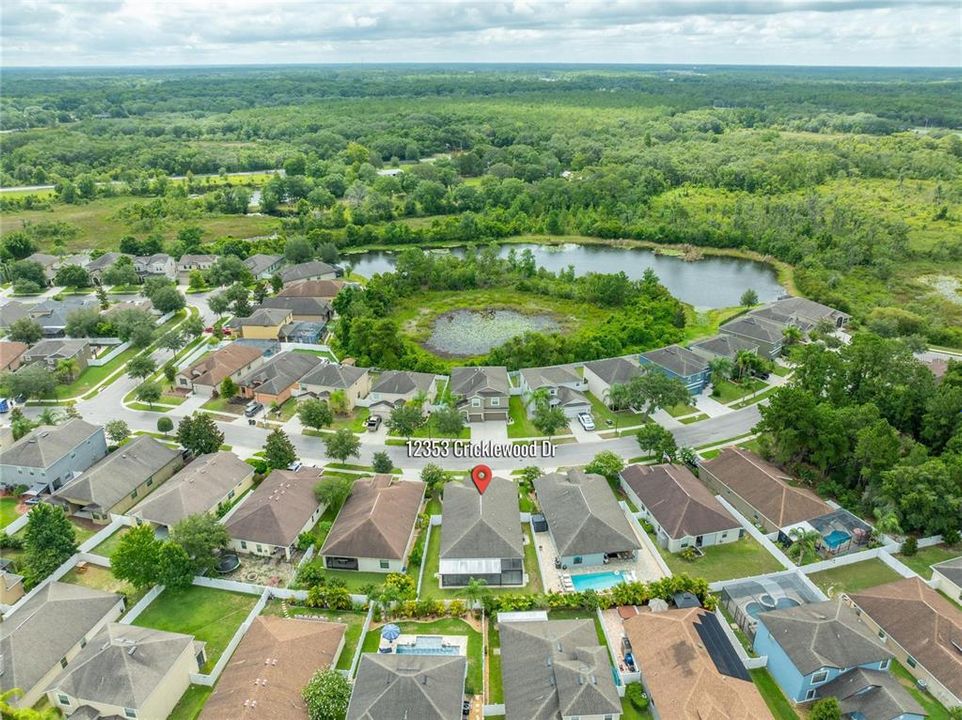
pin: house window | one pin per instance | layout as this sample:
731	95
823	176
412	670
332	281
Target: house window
810	694
911	661
130	712
495	402
243	544
385	564
578	560
885	665
475	402
259	548
63	662
63	699
133	494
819	677
150	482
881	635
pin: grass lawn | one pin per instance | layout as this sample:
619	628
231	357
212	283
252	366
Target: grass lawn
191	703
495	681
933	707
107	547
521	425
356	580
681	409
353	620
8	510
921	561
430	430
446	626
781	370
285	412
354	421
630	712
743	558
772	694
727	391
693	419
620	418
318	353
754	399
221	404
100	578
211	616
853	578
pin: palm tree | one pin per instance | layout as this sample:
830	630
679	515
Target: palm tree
48	417
721	370
804	544
67	369
475	592
887	521
791	335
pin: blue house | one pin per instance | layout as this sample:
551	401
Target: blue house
824	649
680	363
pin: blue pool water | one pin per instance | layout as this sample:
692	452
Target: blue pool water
596	581
426	645
754	608
836	538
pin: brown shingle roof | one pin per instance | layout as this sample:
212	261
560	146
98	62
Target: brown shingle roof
10	351
272	664
376	520
765	487
278	509
682	678
923	622
211	370
681	504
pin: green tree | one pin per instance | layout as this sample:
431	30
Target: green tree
227	388
135	325
137	556
314	413
49	540
174	567
279	451
721	369
475	592
825	709
141	366
86	322
199	434
652	389
405	419
72	276
546	418
748	298
342	444
327	695
607	464
117	431
32	381
804	547
121	272
657	441
25	330
202	536
168	299
172	340
338	402
435	477
164	424
448	421
333	491
381	462
148	392
67	369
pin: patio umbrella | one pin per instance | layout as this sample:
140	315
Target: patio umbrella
390	632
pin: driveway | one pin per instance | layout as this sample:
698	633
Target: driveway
493	430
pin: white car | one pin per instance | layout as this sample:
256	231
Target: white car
587	422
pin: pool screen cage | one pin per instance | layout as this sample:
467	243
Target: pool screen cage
743	600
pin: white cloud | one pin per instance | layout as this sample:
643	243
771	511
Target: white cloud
172	32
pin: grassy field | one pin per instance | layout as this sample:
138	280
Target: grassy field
728	391
521	425
933	708
779	705
221	404
619	418
630	712
108	546
211	616
100	578
353	620
739	559
854	578
922	561
191	703
8	510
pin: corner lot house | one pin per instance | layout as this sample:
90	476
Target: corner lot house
481	392
270	667
269	520
682	510
119	481
766	334
48	457
726	346
189	263
681	364
759	490
947	577
313	270
585	521
209	481
687	676
426	687
44	635
374	530
396	387
51	352
263	324
922	629
556	668
327	378
602	374
205	376
481	535
565	387
263	266
276	379
129	672
11	354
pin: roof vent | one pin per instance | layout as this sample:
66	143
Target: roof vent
132	650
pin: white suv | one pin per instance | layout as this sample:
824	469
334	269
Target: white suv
587	422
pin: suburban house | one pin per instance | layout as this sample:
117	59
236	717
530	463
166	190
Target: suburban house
273	662
374	529
802	312
49	263
602	374
313	270
127	671
233	361
947	577
11	354
323	289
96	267
726	346
396	387
302	309
120	480
156	265
556	669
683	512
189	263
872	695
263	266
681	364
14	310
51	352
566	388
45	634
481	535
481	392
810	645
766	334
275	379
11	588
263	323
328	378
275	513
49	456
210	481
759	490
421	687
922	629
689	669
584	519
51	315
138	303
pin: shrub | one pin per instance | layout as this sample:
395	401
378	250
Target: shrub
950	536
689	554
636	695
910	546
304	541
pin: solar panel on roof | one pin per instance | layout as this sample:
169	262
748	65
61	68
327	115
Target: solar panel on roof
719	649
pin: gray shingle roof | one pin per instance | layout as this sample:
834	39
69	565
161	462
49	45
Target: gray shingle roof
45	445
117	475
278	509
951	569
801	308
469	381
481	526
677	359
679	501
306	271
259	263
299	305
377	519
105	261
400	382
334	376
123	665
613	371
263	317
195	489
55	349
280	372
756	328
312	288
45	627
555	668
550	376
825	634
724	346
583	516
415	687
872	694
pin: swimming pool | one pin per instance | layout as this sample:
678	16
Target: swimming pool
427	645
836	538
754	608
596	581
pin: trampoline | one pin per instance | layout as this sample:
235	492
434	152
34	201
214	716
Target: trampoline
227	563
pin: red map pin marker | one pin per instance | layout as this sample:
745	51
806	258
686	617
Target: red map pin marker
481	475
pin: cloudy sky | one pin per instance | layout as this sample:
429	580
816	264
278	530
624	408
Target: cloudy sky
198	32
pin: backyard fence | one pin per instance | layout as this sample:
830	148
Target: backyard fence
750	663
645	540
763	540
104	359
424	551
841	561
141	605
211	678
360	641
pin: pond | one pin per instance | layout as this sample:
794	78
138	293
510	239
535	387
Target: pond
463	333
712	282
